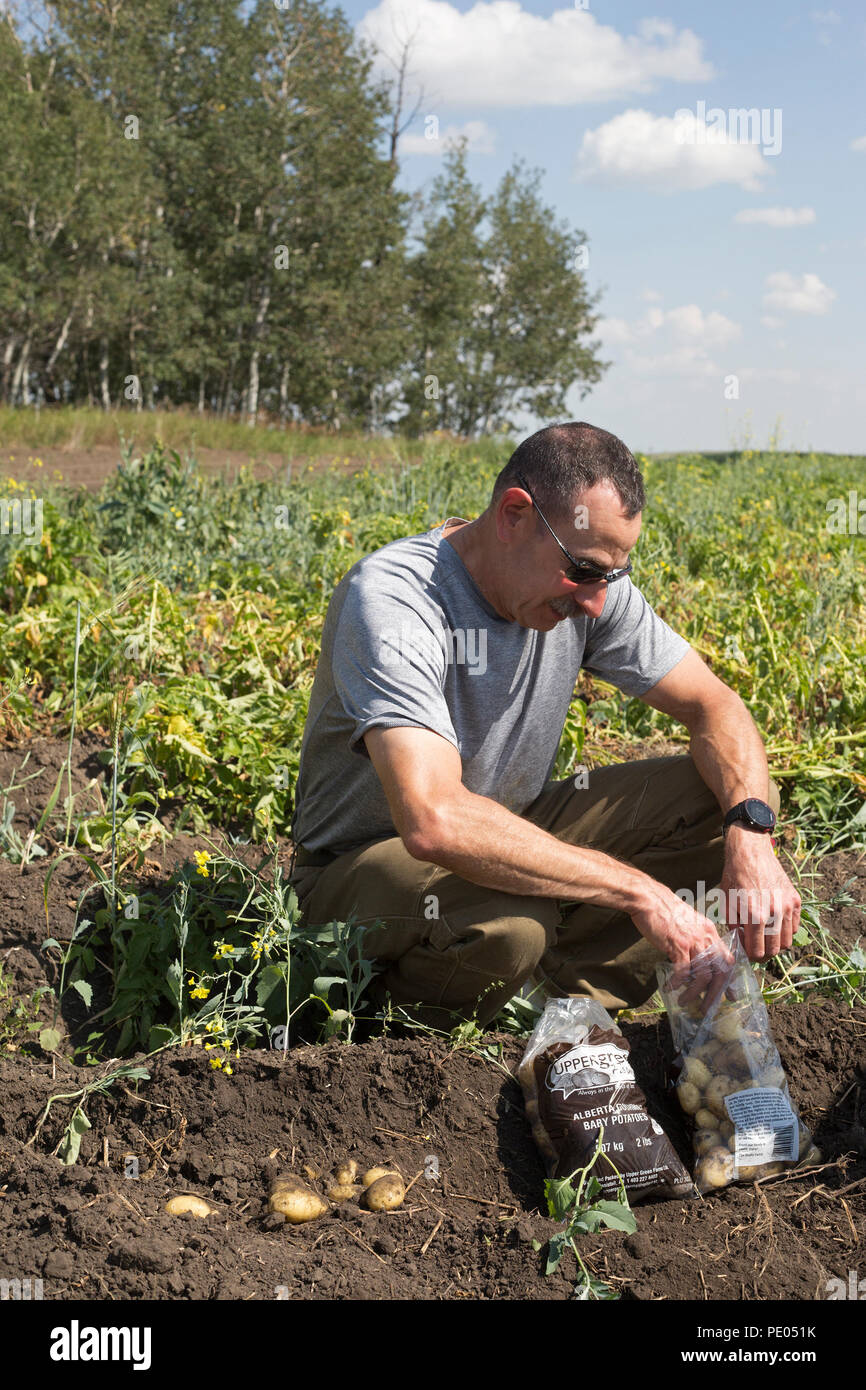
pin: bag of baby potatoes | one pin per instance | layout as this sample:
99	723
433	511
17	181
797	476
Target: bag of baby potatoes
730	1080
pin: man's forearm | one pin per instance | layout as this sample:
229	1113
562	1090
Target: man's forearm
487	844
729	753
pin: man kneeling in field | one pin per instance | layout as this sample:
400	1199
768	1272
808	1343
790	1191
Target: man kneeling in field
425	804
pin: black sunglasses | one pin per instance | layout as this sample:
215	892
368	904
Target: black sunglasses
579	571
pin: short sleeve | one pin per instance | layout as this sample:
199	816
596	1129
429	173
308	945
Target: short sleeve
630	645
389	665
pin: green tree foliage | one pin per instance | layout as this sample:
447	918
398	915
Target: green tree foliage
501	317
197	208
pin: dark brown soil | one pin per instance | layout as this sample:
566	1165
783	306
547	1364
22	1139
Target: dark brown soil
91	1232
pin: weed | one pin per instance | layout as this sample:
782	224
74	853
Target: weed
584	1211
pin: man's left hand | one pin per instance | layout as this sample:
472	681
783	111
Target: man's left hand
759	897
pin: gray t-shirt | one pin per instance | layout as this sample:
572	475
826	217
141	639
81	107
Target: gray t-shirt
410	640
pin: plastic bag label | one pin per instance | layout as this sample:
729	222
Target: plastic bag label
765	1126
589	1067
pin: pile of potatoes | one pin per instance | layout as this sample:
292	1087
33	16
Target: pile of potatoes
379	1189
735	1055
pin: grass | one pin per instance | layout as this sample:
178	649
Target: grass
83	427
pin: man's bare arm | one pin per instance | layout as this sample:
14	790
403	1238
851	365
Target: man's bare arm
729	753
441	822
725	744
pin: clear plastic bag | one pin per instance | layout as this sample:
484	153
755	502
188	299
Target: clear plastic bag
730	1079
577	1078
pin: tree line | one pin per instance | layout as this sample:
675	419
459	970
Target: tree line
199	206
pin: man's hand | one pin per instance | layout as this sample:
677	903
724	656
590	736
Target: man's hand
689	940
759	897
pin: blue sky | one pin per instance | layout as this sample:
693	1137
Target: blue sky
731	261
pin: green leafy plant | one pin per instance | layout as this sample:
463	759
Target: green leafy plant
585	1211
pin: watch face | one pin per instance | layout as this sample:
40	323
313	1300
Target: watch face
760	813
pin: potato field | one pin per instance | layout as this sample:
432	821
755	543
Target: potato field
170	1028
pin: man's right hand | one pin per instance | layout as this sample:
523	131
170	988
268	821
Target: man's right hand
689	940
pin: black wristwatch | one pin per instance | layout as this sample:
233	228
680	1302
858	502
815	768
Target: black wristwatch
754	814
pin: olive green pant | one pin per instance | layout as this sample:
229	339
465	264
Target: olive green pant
452	947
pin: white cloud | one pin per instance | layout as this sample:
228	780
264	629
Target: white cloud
768	321
683	337
859	144
498	54
777	217
639	148
481	139
793	294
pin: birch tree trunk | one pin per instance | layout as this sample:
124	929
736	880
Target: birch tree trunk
104	392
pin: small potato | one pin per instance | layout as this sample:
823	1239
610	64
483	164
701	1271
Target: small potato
704	1140
748	1173
728	1025
813	1155
689	1097
292	1198
714	1097
697	1072
346	1174
706	1052
373	1174
727	1129
385	1194
739	1059
344	1192
185	1202
715	1169
705	1119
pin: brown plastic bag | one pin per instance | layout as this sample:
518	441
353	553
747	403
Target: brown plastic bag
577	1078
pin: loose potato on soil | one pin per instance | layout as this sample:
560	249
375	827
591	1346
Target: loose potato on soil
373	1174
344	1192
346	1173
185	1203
291	1198
385	1194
